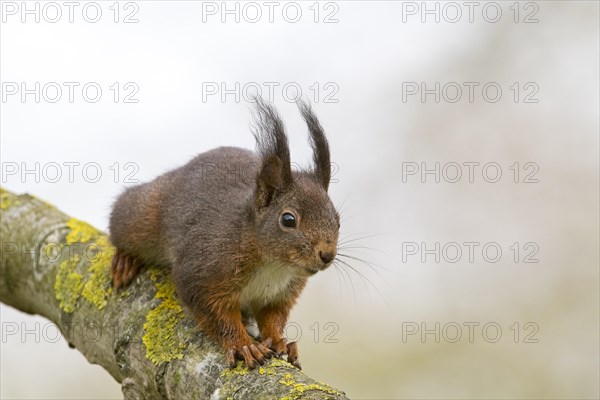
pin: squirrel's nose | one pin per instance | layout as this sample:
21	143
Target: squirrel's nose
326	257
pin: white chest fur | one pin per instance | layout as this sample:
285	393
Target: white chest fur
266	285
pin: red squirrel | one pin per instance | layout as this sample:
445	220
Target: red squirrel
240	231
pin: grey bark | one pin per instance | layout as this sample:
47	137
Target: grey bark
56	266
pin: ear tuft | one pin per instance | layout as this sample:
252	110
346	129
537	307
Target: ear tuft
319	144
271	139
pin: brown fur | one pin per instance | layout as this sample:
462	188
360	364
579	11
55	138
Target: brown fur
221	232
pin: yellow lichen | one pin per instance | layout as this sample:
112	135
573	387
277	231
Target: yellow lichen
81	232
160	329
296	390
68	285
288	380
300	388
275	362
239	370
266	371
97	288
7	199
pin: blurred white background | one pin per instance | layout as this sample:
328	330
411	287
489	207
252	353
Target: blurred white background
360	70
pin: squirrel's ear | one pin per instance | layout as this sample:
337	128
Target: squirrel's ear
270	179
272	146
319	144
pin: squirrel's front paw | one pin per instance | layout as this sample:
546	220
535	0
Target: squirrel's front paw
253	354
281	347
292	352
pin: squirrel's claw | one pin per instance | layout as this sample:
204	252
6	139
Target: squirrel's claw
253	355
292	352
249	360
116	270
278	348
282	347
123	269
230	357
265	350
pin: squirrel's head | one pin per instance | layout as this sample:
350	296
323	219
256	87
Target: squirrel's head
296	222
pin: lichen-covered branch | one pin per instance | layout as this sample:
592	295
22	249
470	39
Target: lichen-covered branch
57	267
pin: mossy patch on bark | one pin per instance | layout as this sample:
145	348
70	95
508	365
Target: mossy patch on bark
298	389
80	232
285	375
94	283
160	337
7	199
98	286
68	284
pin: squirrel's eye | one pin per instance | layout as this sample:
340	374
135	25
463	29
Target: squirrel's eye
288	220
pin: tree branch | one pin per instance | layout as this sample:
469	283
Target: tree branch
58	267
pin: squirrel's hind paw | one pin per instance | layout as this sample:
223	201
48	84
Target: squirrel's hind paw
123	269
